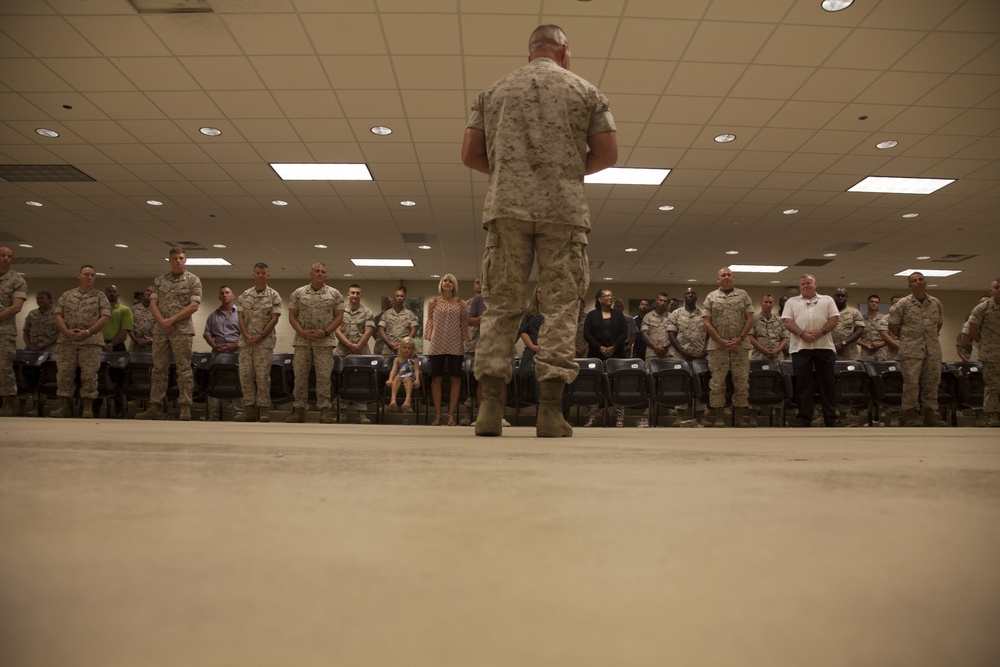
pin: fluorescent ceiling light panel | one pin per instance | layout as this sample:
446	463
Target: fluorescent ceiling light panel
207	261
756	268
628	176
928	273
322	172
382	262
902	186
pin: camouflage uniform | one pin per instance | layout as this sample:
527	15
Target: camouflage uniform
12	286
397	326
728	314
986	316
143	324
80	310
40	326
769	332
537	120
873	325
850	318
353	327
173	294
255	361
919	350
654	326
690	330
959	340
315	309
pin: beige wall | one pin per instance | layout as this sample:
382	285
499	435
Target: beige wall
957	304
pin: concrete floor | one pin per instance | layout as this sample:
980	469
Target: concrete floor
148	544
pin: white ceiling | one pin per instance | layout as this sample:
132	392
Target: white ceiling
304	80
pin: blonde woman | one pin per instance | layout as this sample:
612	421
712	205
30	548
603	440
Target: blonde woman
447	332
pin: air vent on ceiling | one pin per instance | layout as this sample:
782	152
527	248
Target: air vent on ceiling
596	265
170	6
419	238
953	258
814	262
32	260
187	245
41	173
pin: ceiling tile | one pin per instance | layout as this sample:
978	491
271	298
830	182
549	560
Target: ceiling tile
119	35
193	34
224	73
290	72
704	79
156	73
428	72
652	39
900	87
268	34
185	104
743	42
345	33
89	74
423	34
371	104
246	104
801	45
47	37
308	103
359	72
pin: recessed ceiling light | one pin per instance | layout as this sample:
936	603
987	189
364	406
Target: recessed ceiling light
903	186
120	245
424	247
756	268
98	273
322	172
775	282
732	252
608	278
725	138
852	283
628	176
835	5
320	246
33	203
692	280
928	273
25	245
348	275
381	130
666	207
407	203
924	257
910	215
882	145
829	254
207	261
382	262
45	132
435	275
218	245
210	131
790	211
153	202
279	202
631	250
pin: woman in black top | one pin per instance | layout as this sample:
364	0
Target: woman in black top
606	331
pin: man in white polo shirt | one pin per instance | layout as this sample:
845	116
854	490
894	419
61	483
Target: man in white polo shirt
810	319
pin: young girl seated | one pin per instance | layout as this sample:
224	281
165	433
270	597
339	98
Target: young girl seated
405	371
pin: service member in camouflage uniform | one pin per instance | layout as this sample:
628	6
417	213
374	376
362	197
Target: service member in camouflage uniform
13	294
176	297
314	311
850	327
686	329
873	347
353	334
768	337
916	321
142	323
728	316
40	330
395	324
984	326
654	329
258	309
535	132
81	314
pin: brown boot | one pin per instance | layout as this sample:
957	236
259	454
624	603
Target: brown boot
718	418
298	416
327	416
184	413
746	417
932	418
992	419
152	412
262	415
87	411
909	418
9	406
249	414
550	422
65	409
488	421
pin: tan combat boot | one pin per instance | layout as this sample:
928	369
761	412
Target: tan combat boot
909	418
993	419
932	418
184	413
747	417
298	416
9	406
718	418
326	416
87	411
488	421
152	412
262	414
249	414
550	422
65	409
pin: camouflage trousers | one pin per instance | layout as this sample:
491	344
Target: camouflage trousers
921	378
564	274
307	356
8	349
180	345
85	357
255	375
721	362
991	393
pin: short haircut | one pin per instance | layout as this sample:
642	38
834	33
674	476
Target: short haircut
177	250
48	294
401	288
222	287
663	294
317	264
876	296
353	286
261	265
807	275
764	296
87	266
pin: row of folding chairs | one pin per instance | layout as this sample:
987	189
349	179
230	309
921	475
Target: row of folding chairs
868	388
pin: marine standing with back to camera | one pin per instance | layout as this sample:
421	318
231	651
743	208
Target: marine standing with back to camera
536	132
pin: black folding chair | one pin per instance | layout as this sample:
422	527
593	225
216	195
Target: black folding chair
224	378
672	385
886	385
767	389
853	386
360	381
628	382
590	386
28	373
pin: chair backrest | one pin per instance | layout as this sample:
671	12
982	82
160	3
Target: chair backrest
767	384
282	377
672	381
628	381
853	383
138	374
969	382
590	385
27	369
886	379
359	377
224	377
111	373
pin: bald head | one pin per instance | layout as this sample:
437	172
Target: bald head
549	41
